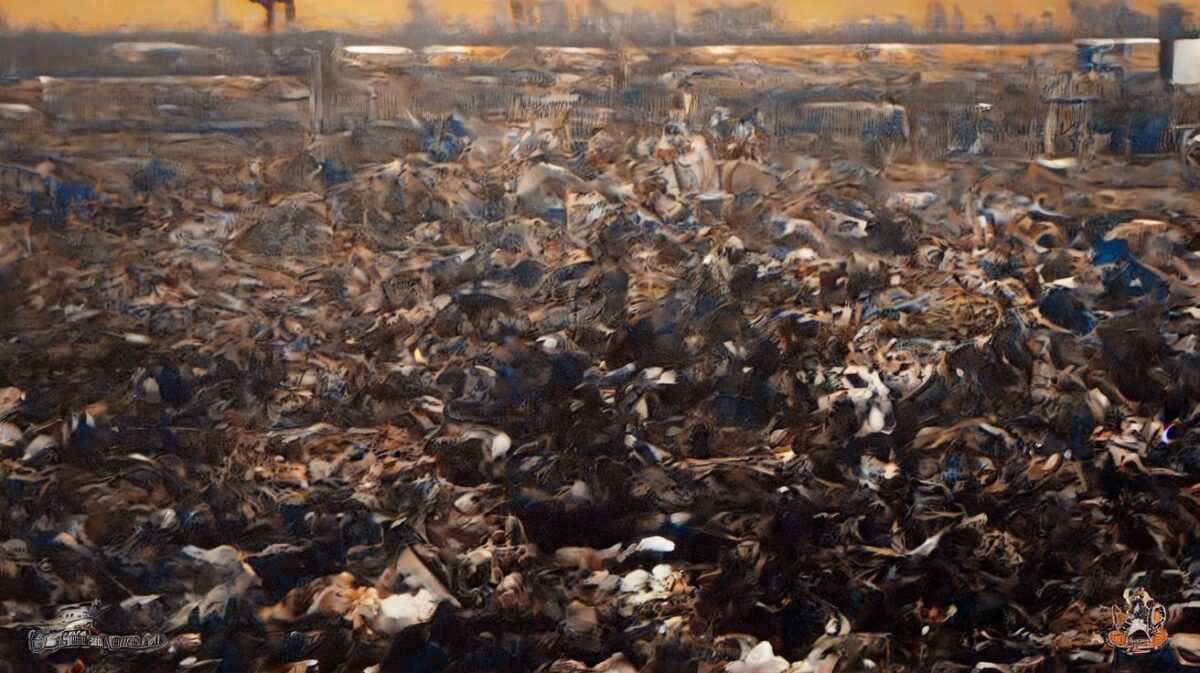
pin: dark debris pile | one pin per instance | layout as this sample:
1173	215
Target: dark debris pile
630	406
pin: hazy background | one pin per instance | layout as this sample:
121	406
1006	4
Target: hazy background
89	15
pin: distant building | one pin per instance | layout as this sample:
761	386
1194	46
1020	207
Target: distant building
735	18
553	15
418	14
644	22
522	13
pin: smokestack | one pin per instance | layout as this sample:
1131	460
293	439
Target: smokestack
216	13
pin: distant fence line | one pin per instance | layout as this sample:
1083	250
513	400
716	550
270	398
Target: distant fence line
1007	112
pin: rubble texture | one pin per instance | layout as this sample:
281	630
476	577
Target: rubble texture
465	394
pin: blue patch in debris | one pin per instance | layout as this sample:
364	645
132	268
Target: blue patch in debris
891	127
333	173
64	197
1146	133
153	175
446	148
1062	308
1111	252
301	344
71	193
456	127
954	471
1135	280
965	133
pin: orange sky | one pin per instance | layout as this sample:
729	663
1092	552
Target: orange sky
103	14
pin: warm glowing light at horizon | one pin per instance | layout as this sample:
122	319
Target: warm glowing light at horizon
94	15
